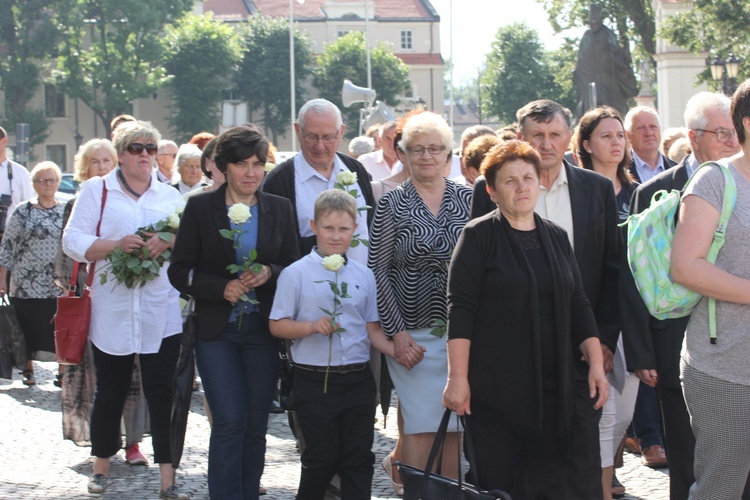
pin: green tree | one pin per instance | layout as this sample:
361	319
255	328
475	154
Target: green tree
630	20
111	51
200	55
563	60
346	59
263	78
29	34
517	72
723	29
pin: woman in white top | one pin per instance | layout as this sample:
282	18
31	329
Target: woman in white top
128	321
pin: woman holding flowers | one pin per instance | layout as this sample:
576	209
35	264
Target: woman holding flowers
232	244
125	321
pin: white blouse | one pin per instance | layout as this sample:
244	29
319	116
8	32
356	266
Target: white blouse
124	321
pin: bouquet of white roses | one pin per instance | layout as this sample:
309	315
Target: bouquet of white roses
137	268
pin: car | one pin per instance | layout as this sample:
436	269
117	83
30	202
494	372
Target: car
68	184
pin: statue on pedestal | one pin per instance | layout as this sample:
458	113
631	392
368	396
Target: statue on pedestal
601	60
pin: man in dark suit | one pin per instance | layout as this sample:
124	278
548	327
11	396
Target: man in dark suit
582	202
652	347
643	130
301	178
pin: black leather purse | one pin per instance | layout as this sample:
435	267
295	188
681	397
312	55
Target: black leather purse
423	485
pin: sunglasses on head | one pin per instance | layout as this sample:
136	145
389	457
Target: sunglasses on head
137	148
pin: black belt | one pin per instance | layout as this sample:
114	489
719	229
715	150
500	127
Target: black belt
341	369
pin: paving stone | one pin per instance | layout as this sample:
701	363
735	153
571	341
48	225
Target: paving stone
36	463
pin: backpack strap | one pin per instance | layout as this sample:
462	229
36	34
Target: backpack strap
730	197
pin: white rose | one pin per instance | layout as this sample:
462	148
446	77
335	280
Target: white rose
333	262
239	213
346	178
173	221
180	209
269	166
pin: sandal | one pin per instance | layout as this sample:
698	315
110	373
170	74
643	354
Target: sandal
28	377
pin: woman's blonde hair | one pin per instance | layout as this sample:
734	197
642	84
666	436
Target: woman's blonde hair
82	160
43	166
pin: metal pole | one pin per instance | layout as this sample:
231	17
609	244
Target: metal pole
450	27
291	74
367	44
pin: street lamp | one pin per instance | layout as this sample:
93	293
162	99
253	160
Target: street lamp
725	72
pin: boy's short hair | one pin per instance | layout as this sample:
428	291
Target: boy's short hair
335	200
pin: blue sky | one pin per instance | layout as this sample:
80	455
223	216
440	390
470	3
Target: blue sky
474	29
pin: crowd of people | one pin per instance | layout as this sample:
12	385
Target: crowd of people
491	280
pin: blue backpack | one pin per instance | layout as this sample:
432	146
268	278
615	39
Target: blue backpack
650	236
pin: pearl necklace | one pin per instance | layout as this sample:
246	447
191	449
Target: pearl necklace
127	186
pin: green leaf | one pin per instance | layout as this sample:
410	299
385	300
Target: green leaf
354	243
233	268
253	254
329	313
344	286
165	236
334	289
134	263
257	267
227	233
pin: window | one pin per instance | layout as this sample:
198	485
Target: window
406	36
342	33
57	153
54	101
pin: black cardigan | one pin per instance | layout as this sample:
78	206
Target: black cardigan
493	302
280	181
199	246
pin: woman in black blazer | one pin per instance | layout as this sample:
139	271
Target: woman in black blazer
518	323
236	355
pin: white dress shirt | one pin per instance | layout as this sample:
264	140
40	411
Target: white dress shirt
308	184
299	297
554	203
644	170
377	166
124	320
22	189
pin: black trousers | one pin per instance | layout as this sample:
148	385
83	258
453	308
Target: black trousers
337	428
584	459
113	377
527	467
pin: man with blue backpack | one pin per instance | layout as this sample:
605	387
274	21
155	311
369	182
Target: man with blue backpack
652	346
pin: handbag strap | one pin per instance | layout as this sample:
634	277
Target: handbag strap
92	266
470	453
437	446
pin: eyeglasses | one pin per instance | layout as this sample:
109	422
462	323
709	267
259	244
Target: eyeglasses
173	155
137	148
722	134
45	181
313	138
418	151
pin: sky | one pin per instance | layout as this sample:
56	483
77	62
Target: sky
475	25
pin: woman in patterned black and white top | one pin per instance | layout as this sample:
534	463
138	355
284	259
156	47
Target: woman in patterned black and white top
413	234
28	249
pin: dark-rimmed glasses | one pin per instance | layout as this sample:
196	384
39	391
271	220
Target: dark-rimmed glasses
137	148
419	150
722	134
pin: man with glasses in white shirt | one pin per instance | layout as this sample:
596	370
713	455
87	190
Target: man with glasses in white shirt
302	178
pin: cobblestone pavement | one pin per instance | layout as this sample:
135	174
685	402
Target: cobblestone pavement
35	462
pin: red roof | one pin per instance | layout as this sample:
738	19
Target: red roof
314	9
416	59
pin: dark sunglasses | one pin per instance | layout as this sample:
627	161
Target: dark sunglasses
137	148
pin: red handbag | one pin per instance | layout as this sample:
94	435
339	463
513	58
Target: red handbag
73	316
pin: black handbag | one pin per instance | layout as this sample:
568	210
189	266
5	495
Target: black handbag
424	485
12	342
